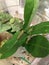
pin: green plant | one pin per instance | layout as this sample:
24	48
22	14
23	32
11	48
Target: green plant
30	37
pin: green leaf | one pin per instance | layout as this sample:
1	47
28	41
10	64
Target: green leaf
5	17
10	43
8	53
41	28
38	46
11	46
16	26
4	27
29	11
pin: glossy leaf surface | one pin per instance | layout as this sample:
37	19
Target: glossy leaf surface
38	46
8	49
40	28
29	11
10	43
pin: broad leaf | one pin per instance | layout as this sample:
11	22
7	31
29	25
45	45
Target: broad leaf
41	28
29	11
38	46
10	43
8	53
8	49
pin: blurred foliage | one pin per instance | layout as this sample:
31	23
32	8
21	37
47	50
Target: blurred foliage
32	38
7	22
